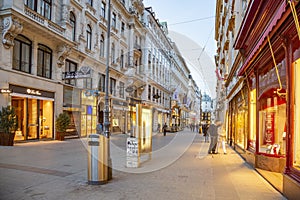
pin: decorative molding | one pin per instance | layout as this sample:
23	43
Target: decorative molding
11	28
63	52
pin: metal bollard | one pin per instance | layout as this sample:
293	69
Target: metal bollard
97	161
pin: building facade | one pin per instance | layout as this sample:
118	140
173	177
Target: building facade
261	84
54	56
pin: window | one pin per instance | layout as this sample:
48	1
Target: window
149	92
73	25
103	5
122	59
113	86
272	118
32	4
70	67
102	45
44	62
252	120
101	83
22	54
113	53
43	7
114	20
296	159
121	91
87	83
90	2
122	28
89	37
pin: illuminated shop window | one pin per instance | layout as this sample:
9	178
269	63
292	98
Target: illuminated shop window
296	116
272	121
252	120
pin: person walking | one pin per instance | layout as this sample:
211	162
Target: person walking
204	130
213	132
222	138
165	129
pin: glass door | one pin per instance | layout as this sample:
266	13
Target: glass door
32	118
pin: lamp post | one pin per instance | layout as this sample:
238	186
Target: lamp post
106	105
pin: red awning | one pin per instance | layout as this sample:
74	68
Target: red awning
269	28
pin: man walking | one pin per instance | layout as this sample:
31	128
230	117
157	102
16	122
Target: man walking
213	132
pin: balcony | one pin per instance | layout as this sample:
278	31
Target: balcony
43	21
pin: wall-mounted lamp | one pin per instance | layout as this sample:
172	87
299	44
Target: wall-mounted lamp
156	96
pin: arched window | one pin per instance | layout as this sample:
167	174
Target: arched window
73	25
89	37
102	45
44	62
22	54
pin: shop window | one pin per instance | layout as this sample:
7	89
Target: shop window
272	122
296	158
44	62
22	54
252	121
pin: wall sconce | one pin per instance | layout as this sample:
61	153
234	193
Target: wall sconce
156	96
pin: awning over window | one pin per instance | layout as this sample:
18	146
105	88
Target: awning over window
269	28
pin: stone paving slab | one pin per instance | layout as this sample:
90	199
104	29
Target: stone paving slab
58	170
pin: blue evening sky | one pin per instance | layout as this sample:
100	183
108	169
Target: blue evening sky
192	18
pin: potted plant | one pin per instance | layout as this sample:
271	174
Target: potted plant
8	126
61	124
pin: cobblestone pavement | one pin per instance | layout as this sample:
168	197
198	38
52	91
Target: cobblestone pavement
179	168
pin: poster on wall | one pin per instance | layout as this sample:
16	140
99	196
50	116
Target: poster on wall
269	128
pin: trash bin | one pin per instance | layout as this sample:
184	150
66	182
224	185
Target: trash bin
97	160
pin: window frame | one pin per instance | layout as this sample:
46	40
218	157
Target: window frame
22	40
44	68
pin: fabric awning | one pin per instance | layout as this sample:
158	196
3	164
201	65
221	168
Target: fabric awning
269	28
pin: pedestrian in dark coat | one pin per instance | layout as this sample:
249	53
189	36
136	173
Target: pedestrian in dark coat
165	129
213	132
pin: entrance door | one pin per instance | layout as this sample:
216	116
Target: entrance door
32	118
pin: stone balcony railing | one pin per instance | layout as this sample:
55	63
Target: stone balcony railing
43	21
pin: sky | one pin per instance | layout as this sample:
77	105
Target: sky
193	18
191	25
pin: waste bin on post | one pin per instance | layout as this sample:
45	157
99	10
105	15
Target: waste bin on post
97	160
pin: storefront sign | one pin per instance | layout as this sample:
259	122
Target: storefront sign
5	91
31	91
119	103
84	72
34	92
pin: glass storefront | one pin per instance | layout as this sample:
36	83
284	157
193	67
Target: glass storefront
272	111
88	114
35	118
252	121
272	117
296	159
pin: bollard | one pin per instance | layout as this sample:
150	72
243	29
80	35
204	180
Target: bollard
97	160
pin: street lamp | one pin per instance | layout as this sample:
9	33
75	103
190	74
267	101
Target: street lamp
106	104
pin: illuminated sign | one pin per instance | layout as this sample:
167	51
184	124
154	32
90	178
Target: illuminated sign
34	92
5	91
